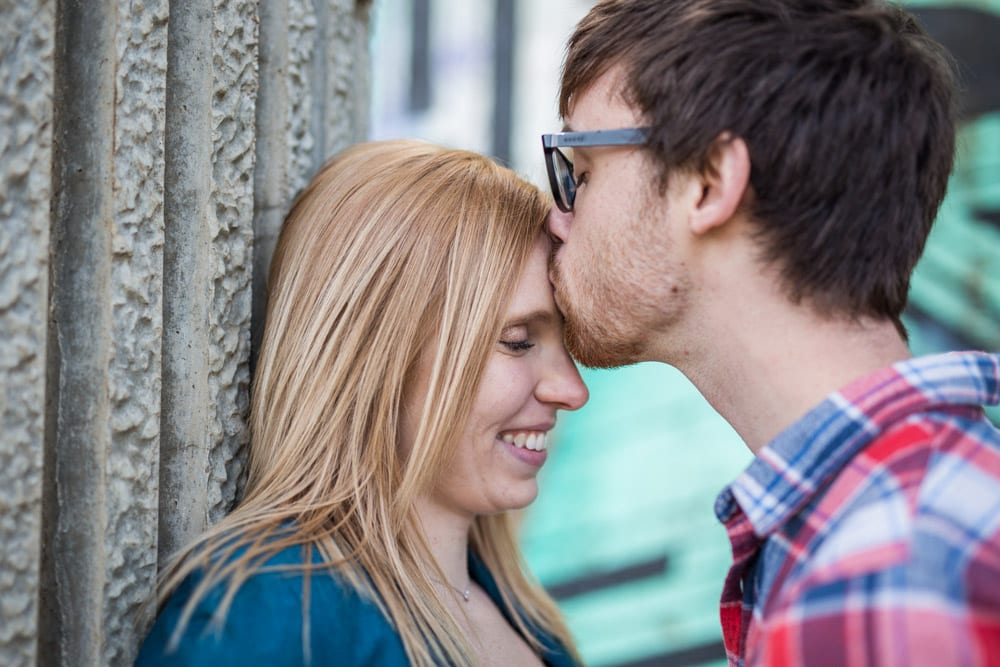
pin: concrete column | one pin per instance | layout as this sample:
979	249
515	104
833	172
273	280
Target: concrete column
340	113
314	93
212	91
104	338
129	199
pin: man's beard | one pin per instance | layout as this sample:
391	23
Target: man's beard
588	338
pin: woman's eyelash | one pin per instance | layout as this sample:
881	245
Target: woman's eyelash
582	178
517	345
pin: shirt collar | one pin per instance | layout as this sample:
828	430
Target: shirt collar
785	474
555	654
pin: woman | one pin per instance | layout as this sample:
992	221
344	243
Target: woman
411	367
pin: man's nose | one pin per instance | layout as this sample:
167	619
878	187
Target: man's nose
558	224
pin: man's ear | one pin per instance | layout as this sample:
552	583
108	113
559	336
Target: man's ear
724	181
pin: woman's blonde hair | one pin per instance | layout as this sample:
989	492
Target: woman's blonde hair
396	250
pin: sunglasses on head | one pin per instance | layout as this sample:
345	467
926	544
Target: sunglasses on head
560	167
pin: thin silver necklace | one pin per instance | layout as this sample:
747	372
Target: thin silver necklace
466	594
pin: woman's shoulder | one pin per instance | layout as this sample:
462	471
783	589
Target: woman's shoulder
279	615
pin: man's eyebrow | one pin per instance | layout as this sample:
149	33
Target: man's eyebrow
540	316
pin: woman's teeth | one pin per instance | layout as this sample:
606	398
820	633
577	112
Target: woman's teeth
537	441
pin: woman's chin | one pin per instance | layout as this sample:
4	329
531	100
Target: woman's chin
521	497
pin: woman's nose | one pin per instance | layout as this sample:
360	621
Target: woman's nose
562	385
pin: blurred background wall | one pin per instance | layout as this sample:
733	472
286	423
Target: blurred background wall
148	151
623	533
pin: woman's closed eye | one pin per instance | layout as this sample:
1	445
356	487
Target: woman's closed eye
516	338
517	345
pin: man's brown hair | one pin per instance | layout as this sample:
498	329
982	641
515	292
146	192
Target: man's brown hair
846	107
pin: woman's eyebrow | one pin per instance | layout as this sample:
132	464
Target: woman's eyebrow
539	316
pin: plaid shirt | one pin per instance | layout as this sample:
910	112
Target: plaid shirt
868	533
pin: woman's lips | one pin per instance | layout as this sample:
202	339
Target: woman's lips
527	446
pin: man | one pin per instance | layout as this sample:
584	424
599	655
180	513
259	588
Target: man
743	190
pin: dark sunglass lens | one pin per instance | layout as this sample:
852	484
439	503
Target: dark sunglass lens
564	176
554	167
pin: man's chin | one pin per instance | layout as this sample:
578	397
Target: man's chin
594	350
591	346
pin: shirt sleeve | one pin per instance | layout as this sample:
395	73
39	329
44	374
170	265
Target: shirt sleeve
263	626
871	619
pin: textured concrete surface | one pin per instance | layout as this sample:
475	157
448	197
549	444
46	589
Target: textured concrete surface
101	500
212	89
26	43
135	297
327	82
128	202
314	92
341	52
234	40
299	115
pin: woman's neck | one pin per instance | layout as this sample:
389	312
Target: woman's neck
447	535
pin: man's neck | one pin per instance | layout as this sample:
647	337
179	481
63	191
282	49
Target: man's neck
767	365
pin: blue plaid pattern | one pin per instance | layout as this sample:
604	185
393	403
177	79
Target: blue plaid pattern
868	532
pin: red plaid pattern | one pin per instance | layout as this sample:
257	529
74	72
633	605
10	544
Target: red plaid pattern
868	533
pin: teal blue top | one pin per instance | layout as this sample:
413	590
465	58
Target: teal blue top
264	624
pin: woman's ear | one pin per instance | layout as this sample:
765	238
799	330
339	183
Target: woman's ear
724	181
